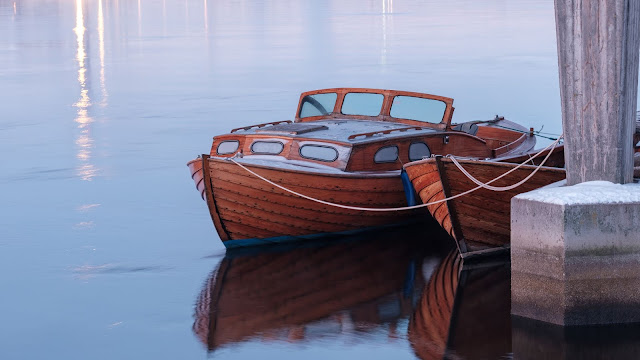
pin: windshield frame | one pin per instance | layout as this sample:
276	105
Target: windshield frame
384	115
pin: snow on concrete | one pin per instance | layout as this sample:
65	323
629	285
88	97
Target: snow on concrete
591	192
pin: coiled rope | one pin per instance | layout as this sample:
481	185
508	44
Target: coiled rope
404	208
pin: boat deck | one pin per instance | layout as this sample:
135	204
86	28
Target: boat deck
341	130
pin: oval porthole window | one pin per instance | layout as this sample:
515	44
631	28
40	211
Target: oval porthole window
386	154
418	151
319	152
227	147
267	147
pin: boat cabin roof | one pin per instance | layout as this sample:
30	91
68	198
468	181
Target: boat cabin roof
339	130
405	107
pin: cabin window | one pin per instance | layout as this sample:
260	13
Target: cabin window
415	108
319	152
267	147
418	151
367	104
318	105
386	154
227	147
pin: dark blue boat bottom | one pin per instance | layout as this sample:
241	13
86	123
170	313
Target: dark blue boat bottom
318	237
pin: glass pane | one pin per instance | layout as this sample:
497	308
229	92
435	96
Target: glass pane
414	108
386	154
228	147
362	104
317	152
319	104
267	147
418	151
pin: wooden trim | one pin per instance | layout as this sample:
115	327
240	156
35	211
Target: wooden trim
506	148
211	203
459	238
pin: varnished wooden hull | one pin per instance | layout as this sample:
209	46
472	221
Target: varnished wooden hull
280	295
556	159
195	168
248	211
479	221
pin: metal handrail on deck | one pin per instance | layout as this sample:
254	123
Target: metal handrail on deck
262	125
385	132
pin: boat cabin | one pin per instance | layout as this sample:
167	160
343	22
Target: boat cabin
360	130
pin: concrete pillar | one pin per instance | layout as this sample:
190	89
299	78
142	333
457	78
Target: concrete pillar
575	250
598	48
575	254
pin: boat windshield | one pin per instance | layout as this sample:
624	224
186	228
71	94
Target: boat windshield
318	104
416	108
368	104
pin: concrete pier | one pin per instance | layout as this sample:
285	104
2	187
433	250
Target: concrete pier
575	250
575	254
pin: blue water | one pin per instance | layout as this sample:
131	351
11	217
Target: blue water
105	244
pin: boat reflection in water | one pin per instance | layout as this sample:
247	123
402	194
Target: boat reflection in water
464	312
352	287
385	283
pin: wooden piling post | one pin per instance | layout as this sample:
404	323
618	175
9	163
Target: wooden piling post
598	48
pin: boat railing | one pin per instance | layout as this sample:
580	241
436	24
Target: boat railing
262	125
385	132
511	145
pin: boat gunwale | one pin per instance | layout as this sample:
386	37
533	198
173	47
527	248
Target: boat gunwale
309	170
492	162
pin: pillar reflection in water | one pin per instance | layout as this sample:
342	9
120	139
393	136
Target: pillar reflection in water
537	340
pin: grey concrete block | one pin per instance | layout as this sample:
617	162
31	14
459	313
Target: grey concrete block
575	263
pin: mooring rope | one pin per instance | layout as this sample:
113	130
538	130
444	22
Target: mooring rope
510	187
403	208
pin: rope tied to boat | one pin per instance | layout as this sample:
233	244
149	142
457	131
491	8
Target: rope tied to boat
405	208
510	187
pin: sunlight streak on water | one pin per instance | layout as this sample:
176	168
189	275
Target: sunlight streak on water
386	9
101	45
84	141
206	20
139	19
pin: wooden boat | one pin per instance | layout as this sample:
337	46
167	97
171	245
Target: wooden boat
480	221
346	146
464	312
364	284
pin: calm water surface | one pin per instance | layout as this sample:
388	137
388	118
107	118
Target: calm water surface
106	249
